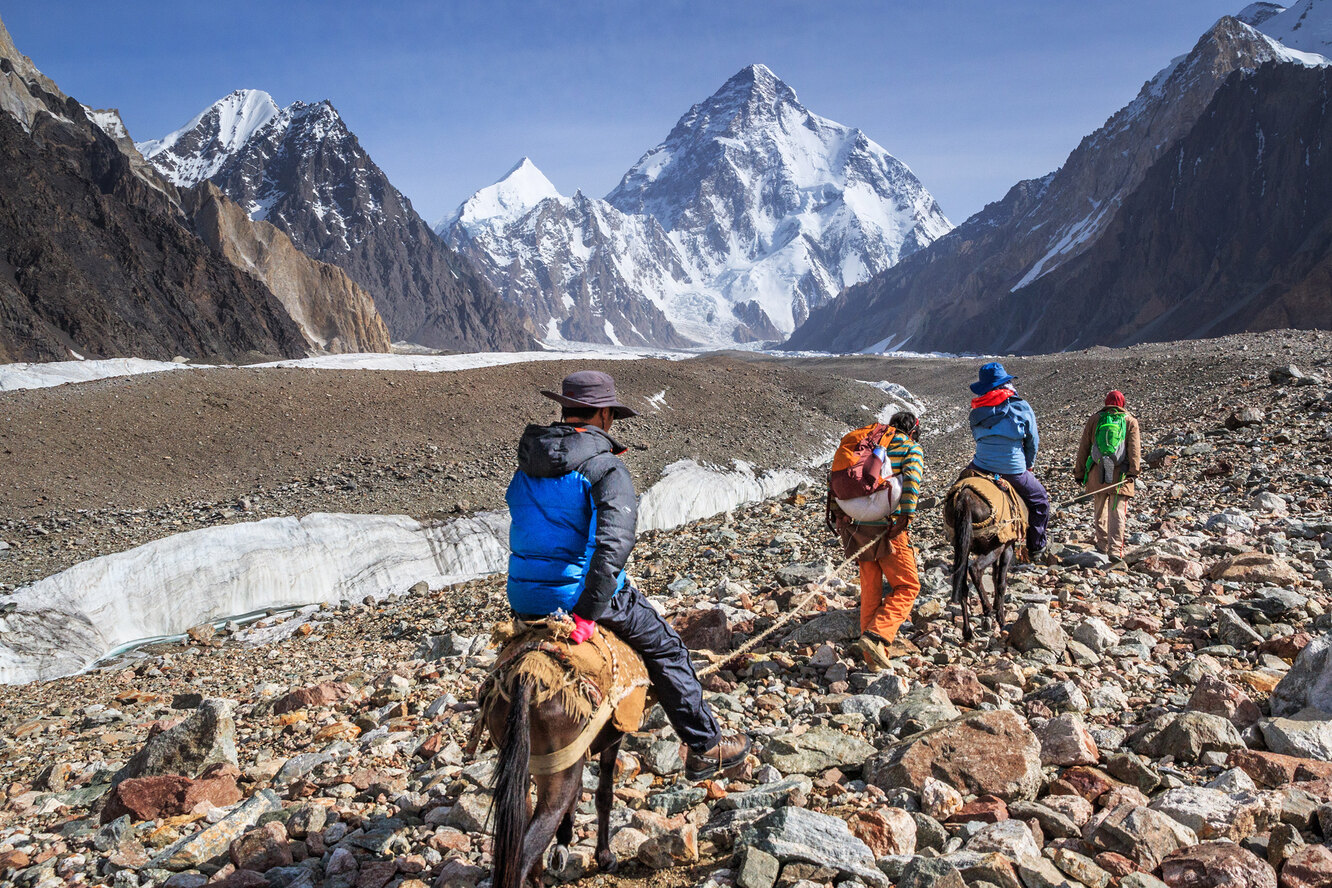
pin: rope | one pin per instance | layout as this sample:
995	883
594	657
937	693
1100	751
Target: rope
822	584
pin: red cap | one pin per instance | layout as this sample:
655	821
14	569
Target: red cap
1115	399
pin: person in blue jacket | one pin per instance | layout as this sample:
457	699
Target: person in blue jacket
573	512
1007	442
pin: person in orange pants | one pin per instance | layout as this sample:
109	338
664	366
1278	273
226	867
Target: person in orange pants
889	579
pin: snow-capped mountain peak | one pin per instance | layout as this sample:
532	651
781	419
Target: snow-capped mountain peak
495	206
198	150
1304	27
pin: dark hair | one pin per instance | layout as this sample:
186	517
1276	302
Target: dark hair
905	421
582	414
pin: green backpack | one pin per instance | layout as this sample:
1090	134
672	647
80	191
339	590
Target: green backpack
1108	440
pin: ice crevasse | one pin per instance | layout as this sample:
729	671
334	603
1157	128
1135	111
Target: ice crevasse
65	623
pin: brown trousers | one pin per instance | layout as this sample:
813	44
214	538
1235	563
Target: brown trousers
1111	509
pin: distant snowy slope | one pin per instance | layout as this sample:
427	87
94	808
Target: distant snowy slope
495	206
774	205
1306	26
198	150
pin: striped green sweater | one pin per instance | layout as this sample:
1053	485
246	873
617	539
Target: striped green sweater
907	460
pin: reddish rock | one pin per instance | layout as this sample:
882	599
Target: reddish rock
1116	864
1273	770
885	830
986	809
961	685
1287	647
1217	697
705	629
376	873
241	879
1309	867
1170	566
171	795
1090	783
988	753
1066	741
1216	865
1256	567
430	747
674	848
13	860
262	848
326	693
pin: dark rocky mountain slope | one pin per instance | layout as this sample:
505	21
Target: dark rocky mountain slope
1190	213
94	257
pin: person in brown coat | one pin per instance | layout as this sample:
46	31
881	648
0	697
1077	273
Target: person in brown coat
1110	475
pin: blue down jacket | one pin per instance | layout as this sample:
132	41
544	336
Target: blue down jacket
1006	437
573	512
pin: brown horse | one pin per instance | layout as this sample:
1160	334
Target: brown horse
522	833
970	509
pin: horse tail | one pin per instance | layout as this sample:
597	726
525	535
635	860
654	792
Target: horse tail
512	785
962	511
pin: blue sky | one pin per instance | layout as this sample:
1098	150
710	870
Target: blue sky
447	96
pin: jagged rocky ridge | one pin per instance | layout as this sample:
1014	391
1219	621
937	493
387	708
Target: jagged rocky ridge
94	257
752	210
300	169
1162	224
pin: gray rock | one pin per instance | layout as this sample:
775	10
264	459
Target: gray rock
927	872
1213	814
1230	519
663	758
1309	681
889	686
471	813
758	869
922	708
930	833
1061	696
1053	823
867	705
1232	630
1140	834
299	766
1037	872
770	795
439	647
816	750
207	736
213	841
1035	628
800	574
1011	838
798	834
1186	736
1096	634
839	625
1307	734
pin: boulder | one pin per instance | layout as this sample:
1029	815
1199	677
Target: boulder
1096	634
960	685
1309	867
706	629
1272	769
1309	681
1036	628
1066	741
758	869
1255	567
798	834
1011	838
1140	834
1307	734
206	737
1216	696
840	625
885	830
1213	814
989	753
922	708
818	749
1216	865
1185	735
171	795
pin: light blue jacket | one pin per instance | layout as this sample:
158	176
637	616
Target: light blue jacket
1006	437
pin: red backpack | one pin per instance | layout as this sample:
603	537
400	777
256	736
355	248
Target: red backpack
855	469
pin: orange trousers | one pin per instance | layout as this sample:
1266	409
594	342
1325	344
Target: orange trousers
888	589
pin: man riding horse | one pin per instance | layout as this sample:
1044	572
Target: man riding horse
1007	441
574	512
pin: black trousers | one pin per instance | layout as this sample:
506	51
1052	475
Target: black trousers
638	625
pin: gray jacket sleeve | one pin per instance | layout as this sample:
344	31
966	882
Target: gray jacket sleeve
615	509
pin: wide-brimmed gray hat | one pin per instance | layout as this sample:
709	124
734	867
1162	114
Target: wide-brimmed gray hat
589	388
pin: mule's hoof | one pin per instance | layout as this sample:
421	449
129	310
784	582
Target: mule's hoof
558	859
607	862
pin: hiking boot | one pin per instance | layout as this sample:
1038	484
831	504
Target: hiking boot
872	650
730	751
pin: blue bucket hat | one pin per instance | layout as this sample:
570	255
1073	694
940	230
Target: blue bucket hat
992	375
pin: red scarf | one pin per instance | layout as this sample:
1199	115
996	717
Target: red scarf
994	397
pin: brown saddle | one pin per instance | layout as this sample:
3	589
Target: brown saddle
1008	513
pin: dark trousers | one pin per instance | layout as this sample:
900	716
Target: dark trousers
1029	487
638	625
